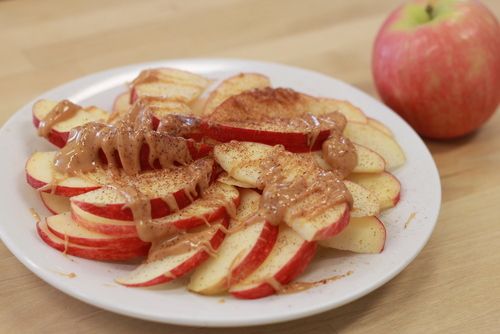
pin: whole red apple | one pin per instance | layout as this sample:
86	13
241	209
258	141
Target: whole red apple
437	63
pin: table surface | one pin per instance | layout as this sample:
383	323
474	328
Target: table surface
451	287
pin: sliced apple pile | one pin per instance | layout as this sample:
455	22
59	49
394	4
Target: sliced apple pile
168	84
212	218
59	133
240	253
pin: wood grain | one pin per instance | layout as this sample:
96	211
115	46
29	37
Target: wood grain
452	286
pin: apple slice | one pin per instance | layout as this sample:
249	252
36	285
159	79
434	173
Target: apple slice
112	227
365	203
168	84
385	186
93	253
317	227
288	259
351	113
226	179
174	266
217	201
362	235
64	227
378	141
59	133
55	203
380	126
274	116
368	160
240	253
233	86
176	186
41	175
242	160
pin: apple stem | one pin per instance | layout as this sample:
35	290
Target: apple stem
430	11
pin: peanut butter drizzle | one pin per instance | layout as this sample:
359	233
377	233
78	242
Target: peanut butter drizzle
280	192
60	112
294	287
125	139
182	243
35	215
340	153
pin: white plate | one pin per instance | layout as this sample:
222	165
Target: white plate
173	304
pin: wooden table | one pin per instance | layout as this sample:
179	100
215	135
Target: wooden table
453	285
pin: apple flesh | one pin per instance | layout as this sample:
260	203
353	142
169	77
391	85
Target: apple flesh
385	186
362	235
54	203
240	253
289	257
59	133
41	175
173	266
377	141
437	63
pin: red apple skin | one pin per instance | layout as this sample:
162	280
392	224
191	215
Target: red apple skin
285	275
55	137
293	141
116	211
256	255
188	265
442	77
101	254
59	190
